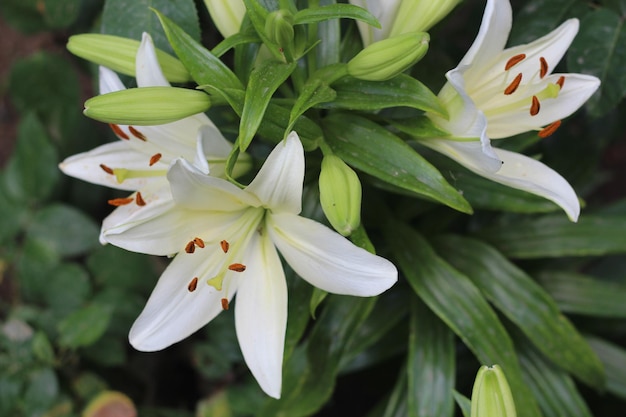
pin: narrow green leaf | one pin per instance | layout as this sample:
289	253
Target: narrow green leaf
264	81
374	150
204	67
600	49
315	91
457	301
430	364
316	299
555	235
614	359
402	90
258	15
84	326
526	304
464	403
335	11
585	295
555	391
234	40
130	19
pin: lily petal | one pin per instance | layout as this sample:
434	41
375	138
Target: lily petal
261	314
278	185
173	312
194	190
109	81
327	260
473	154
147	69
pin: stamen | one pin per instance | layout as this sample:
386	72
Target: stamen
549	130
224	303
535	106
139	199
199	242
190	247
237	267
120	201
193	284
225	245
514	84
137	133
155	158
543	70
106	169
513	61
560	82
118	131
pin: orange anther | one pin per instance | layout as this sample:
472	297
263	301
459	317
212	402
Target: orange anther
155	158
106	169
543	64
225	245
224	304
120	201
535	106
550	129
198	242
139	199
118	131
237	267
560	82
514	84
190	247
193	284
514	60
137	133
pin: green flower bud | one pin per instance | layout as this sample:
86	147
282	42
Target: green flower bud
147	106
420	15
227	15
340	194
279	30
387	58
119	54
491	395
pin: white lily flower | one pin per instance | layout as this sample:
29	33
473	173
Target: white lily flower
495	93
226	15
139	162
227	239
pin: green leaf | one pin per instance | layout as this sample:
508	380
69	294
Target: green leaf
614	359
585	295
555	391
41	390
104	265
131	19
234	40
461	305
335	11
12	214
60	14
430	364
297	310
84	326
374	150
538	17
464	403
204	67
553	236
33	267
264	81
258	16
315	91
316	299
22	15
396	403
32	171
600	49
402	90
64	229
526	304
67	288
42	348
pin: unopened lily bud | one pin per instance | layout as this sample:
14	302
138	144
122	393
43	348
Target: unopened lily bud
226	15
491	395
147	106
387	58
420	15
279	29
119	54
340	194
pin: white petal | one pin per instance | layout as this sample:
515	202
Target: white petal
147	68
109	81
86	166
279	182
492	36
173	312
261	314
328	260
470	154
195	190
576	91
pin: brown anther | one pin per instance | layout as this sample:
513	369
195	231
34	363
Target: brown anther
560	82
190	247
155	158
513	61
237	267
225	245
224	304
198	242
535	106
549	130
193	284
137	133
106	169
514	84
139	199
120	201
118	131
543	64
